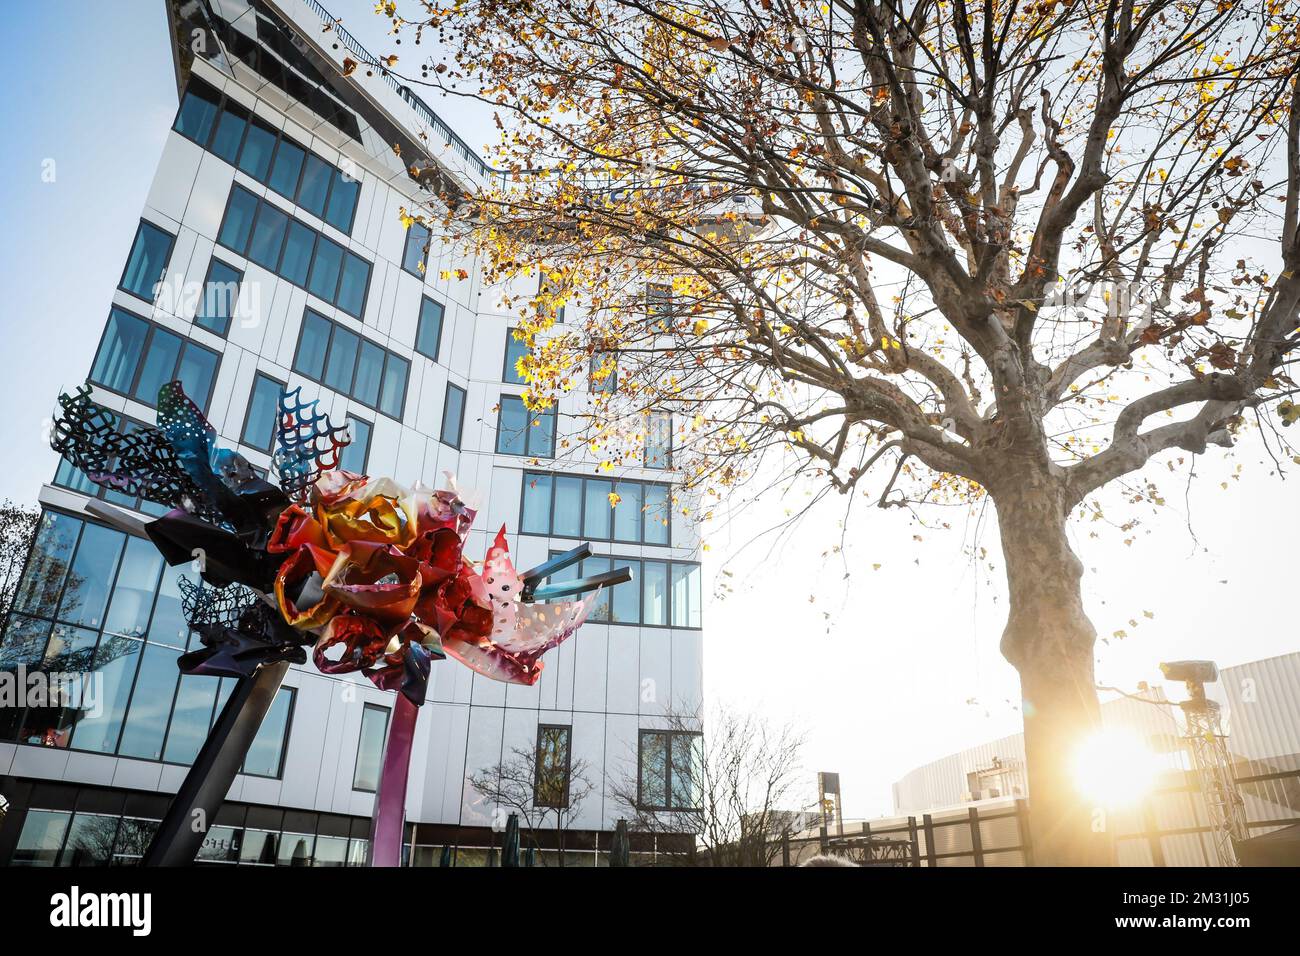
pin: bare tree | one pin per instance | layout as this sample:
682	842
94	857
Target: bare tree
1010	252
734	785
17	533
530	784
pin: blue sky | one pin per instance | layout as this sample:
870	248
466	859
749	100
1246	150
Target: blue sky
887	669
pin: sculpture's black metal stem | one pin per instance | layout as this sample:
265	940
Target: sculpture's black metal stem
194	808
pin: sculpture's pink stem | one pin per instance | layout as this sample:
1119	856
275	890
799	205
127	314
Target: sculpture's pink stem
390	800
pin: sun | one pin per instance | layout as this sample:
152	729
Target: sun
1114	768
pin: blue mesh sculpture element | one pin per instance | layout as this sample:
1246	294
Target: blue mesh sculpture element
140	463
307	443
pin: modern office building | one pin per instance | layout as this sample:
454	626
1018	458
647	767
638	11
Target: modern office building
283	179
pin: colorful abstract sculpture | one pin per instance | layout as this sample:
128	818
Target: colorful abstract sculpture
369	573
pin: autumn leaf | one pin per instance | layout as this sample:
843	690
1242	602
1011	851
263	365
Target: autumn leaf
349	66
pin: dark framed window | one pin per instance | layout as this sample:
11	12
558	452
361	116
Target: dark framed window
265	757
660	594
136	357
226	129
265	234
147	264
579	506
220	297
355	456
544	285
453	416
415	254
351	365
370	748
658	302
94	600
668	770
551	780
602	372
516	349
658	451
263	411
428	333
523	432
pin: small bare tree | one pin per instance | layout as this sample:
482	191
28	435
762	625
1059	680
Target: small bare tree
539	788
733	785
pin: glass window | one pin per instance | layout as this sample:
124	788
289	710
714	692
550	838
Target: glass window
295	262
656	514
668	770
652	776
147	263
453	415
259	848
220	297
537	504
356	455
551	785
85	595
238	220
393	396
197	371
512	423
41	838
119	351
343	201
268	236
541	434
627	513
686	595
230	132
654	592
198	110
428	333
342	362
159	365
315	185
325	266
596	508
263	410
266	753
287	167
598	564
23	646
659	301
133	838
515	350
370	374
659	440
684	761
567	520
295	849
313	345
352	284
625	603
151	703
47	564
259	144
370	747
191	718
603	372
133	592
114	664
413	256
330	851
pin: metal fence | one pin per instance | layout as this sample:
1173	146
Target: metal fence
1169	828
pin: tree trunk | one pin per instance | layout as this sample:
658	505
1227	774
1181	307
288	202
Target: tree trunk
1049	640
